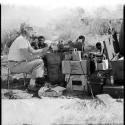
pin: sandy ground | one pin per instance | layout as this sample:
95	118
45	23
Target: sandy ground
48	111
63	110
30	111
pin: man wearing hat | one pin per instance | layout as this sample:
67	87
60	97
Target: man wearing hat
24	59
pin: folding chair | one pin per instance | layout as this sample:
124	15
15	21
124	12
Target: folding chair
9	73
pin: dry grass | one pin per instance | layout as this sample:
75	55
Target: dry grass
60	111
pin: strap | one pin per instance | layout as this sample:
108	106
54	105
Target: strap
12	61
17	61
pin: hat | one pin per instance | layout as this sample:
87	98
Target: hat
25	27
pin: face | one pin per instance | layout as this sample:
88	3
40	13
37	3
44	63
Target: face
42	40
36	40
80	40
28	34
98	47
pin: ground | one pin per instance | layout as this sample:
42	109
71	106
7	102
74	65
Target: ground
61	110
23	109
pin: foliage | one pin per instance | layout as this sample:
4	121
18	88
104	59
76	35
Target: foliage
67	27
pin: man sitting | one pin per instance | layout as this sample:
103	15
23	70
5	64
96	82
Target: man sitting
24	59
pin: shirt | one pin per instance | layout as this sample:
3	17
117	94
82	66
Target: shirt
79	46
15	54
34	45
40	46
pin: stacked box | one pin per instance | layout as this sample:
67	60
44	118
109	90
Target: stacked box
76	67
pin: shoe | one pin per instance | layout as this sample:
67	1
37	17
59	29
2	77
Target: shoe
36	95
53	85
47	84
40	82
32	88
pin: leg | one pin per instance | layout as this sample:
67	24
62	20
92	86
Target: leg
84	82
26	67
25	75
33	67
69	84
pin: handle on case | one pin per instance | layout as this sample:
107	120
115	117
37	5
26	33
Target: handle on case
104	57
75	49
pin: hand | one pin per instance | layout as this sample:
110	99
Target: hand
46	49
34	57
37	57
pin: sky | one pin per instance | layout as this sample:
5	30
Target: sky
42	12
52	4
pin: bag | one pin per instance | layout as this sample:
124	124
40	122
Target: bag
102	66
47	92
76	55
51	92
105	63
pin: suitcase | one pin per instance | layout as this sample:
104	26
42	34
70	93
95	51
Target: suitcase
114	91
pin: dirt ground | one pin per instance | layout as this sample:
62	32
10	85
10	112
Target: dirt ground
24	109
61	110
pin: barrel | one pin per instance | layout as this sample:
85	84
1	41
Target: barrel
53	58
54	71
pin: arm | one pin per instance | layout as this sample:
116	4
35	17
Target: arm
27	51
30	53
38	51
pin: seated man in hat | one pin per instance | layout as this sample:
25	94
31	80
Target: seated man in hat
23	58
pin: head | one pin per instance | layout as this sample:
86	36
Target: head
70	41
98	46
41	39
60	42
26	31
35	39
81	38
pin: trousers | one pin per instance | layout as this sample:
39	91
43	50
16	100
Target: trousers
34	67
